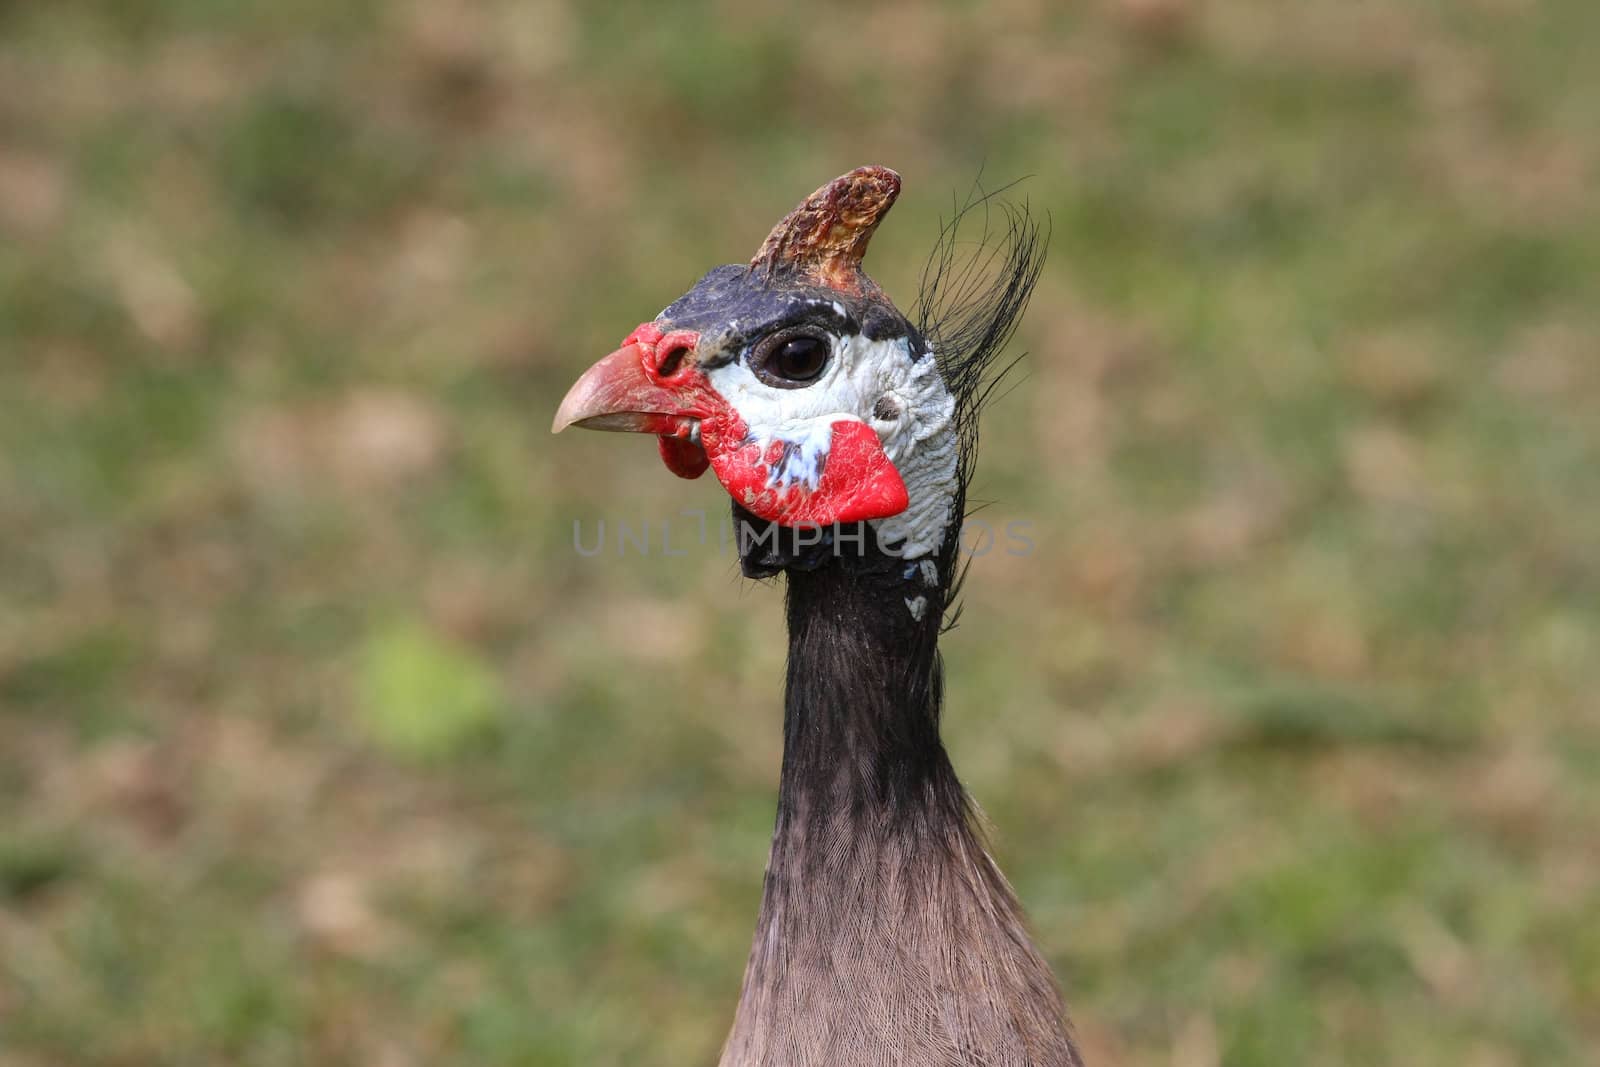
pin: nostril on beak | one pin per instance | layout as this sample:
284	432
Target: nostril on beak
671	358
664	354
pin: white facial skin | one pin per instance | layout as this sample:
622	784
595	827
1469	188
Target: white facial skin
918	436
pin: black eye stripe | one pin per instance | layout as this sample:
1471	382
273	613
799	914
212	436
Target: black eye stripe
742	341
734	308
821	316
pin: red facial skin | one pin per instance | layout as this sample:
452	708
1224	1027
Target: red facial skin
671	351
652	384
858	482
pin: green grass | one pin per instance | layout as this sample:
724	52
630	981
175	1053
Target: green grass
319	744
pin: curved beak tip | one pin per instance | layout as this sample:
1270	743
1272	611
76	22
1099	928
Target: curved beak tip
564	416
603	388
615	394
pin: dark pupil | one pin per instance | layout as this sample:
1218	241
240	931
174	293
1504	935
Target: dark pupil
800	358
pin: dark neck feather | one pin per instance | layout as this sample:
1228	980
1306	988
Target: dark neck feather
886	934
862	698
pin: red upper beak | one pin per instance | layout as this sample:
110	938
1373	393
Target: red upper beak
617	394
627	391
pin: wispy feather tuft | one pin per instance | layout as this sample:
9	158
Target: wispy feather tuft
972	297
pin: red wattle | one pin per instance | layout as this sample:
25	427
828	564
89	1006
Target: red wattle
858	480
683	458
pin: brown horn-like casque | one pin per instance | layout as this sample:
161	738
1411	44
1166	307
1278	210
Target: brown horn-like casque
824	239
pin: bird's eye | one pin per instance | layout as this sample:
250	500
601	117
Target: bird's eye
801	359
791	360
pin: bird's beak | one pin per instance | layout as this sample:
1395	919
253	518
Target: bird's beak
626	392
617	394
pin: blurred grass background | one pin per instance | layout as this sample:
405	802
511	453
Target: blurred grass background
319	744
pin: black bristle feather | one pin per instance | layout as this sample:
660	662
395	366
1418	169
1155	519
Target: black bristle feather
968	309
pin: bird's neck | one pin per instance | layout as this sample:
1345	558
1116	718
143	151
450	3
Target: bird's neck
862	697
886	933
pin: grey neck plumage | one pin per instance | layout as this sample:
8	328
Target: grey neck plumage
886	934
